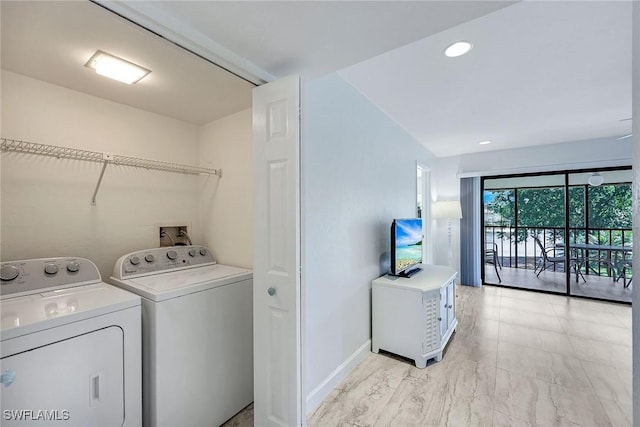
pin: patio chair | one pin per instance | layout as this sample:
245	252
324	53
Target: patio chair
626	265
546	261
491	257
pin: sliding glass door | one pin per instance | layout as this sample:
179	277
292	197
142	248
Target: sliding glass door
524	232
600	234
568	233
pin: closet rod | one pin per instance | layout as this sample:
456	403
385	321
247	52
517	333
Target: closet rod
15	145
95	156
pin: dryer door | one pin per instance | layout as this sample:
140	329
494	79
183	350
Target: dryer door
77	381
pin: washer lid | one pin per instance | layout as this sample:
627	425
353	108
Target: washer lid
162	286
31	313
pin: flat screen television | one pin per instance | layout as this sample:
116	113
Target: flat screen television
406	246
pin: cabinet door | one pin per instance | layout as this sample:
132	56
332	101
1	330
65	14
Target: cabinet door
451	303
442	316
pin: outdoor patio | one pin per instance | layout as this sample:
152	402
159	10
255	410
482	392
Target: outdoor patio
601	287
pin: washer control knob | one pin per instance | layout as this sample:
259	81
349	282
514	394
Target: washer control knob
172	254
9	272
134	260
149	258
192	252
73	267
51	269
203	251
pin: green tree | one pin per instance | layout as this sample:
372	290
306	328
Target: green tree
541	207
610	207
499	207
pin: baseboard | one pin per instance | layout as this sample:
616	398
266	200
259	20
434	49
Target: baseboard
317	395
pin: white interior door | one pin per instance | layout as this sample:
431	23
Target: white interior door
276	263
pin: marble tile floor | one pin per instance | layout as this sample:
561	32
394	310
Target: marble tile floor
518	358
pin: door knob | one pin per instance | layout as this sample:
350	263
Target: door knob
271	291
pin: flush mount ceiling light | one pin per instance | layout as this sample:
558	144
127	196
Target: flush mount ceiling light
458	49
116	68
484	142
595	179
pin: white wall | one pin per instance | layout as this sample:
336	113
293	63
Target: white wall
564	156
46	207
226	208
358	173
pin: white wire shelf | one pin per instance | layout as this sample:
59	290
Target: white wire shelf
19	146
95	156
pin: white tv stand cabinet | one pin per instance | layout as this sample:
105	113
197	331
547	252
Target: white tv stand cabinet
414	317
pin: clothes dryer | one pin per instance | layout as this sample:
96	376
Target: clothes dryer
70	346
197	328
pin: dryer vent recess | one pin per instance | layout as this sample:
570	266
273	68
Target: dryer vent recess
174	235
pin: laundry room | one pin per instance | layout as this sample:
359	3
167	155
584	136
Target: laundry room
186	112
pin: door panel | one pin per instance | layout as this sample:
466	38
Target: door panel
600	234
582	221
444	322
524	232
277	366
451	304
75	382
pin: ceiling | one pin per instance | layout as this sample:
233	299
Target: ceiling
540	72
308	38
52	40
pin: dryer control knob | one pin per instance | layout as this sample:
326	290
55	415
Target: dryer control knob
9	272
172	254
192	252
51	269
149	258
134	260
203	251
73	267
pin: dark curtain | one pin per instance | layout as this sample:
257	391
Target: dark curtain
470	232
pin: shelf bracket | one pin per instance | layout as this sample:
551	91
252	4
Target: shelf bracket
104	167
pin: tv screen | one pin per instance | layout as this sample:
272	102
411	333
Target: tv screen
406	246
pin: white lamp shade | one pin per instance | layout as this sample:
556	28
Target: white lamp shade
447	210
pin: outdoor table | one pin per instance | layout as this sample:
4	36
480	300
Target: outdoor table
613	250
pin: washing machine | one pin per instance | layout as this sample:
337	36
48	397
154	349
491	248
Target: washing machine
70	346
197	334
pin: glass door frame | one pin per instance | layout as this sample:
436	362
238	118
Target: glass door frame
567	225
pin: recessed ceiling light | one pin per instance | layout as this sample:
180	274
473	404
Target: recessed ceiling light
484	142
116	68
457	49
